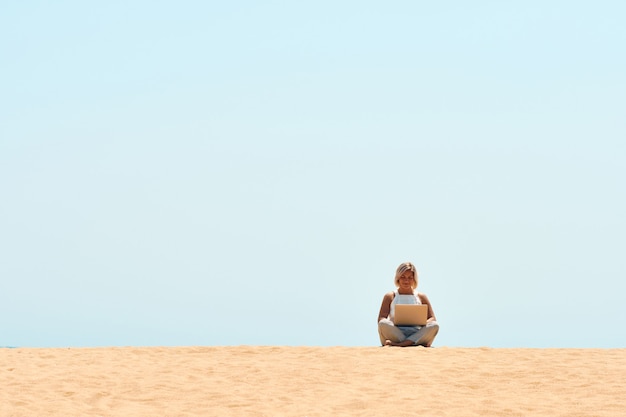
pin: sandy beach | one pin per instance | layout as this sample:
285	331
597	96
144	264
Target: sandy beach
311	381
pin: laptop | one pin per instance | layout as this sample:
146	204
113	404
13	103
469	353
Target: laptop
410	315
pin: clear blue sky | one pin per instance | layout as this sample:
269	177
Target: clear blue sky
225	173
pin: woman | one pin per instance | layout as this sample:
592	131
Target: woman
392	335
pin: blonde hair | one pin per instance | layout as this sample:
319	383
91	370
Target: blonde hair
406	266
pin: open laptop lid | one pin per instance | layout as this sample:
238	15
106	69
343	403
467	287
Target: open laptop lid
410	315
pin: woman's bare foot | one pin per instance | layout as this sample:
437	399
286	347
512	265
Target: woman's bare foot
404	343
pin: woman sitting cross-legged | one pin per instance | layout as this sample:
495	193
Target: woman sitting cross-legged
392	335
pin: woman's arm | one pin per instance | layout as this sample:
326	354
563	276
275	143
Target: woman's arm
385	306
431	312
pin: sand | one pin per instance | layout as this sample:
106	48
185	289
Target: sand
312	381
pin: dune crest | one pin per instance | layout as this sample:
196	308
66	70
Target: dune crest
311	381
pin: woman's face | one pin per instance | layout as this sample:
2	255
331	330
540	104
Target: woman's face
407	281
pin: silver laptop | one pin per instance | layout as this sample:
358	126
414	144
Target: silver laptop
410	315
